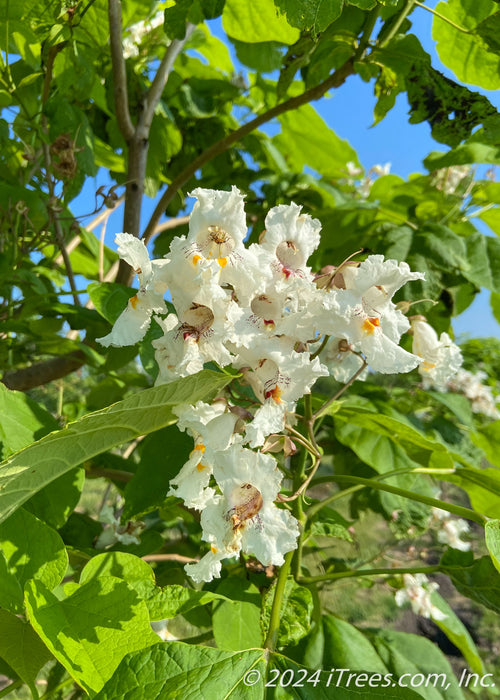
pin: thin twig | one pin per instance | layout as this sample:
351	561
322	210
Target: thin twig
335	80
339	393
169	557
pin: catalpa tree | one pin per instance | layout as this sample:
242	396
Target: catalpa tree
249	409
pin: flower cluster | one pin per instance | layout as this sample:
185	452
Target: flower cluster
450	530
417	591
260	309
138	31
480	395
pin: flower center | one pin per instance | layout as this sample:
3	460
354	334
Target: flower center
247	503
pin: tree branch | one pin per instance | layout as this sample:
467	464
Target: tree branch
119	71
44	372
335	80
138	145
160	80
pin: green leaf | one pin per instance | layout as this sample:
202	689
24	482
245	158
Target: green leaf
22	649
118	564
22	420
453	111
236	622
482	487
457	633
30	470
194	11
296	612
11	593
192	672
55	503
492	537
256	21
347	647
411	654
91	629
313	15
306	140
109	298
162	603
32	550
467	54
148	487
187	671
483	258
264	56
476	579
495	305
487	438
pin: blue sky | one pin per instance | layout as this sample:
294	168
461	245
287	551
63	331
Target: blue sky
349	111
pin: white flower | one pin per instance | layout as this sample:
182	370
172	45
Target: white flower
134	321
244	517
448	179
341	361
449	530
138	31
363	313
441	357
417	591
212	428
197	337
279	376
290	238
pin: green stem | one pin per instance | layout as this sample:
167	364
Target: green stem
410	4
369	572
436	503
339	393
274	623
442	17
10	688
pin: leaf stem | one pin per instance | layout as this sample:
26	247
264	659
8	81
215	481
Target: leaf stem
434	502
369	572
442	17
10	688
339	393
397	24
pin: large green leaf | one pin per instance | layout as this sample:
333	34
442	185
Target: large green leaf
477	579
314	15
457	633
192	672
408	655
22	649
32	550
492	536
236	624
162	603
257	21
306	140
91	630
348	647
147	489
22	420
481	485
30	470
467	54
